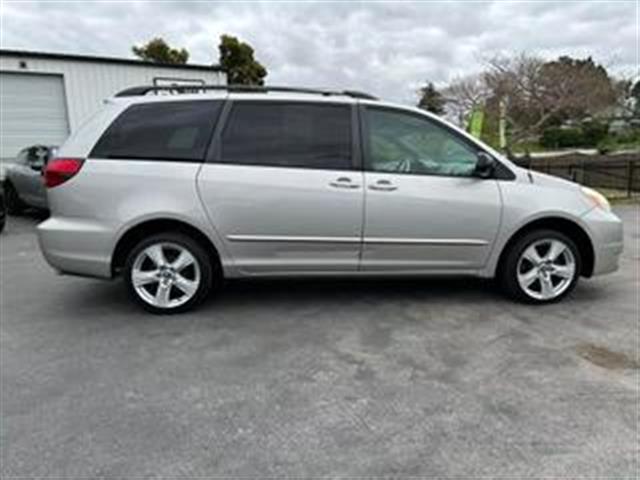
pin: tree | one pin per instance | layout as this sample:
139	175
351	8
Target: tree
236	59
157	50
431	99
583	86
627	97
539	94
635	95
635	91
464	95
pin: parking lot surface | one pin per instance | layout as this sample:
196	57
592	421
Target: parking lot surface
311	378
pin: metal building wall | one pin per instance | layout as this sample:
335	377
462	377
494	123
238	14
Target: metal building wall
88	83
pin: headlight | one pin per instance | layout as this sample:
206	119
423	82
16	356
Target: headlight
596	198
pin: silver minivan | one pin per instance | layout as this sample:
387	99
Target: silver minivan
176	191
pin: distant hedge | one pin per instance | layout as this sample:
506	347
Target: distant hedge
589	134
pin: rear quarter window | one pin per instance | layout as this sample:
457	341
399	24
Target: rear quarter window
178	131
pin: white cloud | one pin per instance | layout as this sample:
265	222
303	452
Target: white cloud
385	48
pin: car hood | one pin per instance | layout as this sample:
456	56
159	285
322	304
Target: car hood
550	181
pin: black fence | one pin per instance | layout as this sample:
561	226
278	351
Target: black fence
618	175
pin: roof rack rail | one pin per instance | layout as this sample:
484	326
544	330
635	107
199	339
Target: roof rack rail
144	89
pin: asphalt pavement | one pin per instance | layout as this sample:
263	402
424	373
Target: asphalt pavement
431	377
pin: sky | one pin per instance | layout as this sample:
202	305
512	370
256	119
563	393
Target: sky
386	48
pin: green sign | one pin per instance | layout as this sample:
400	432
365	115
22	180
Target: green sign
476	119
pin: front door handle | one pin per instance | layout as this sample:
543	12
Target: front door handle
343	182
383	186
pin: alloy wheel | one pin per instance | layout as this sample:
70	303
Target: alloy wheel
165	275
546	269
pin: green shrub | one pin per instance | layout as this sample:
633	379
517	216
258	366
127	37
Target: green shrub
594	132
620	141
589	134
555	137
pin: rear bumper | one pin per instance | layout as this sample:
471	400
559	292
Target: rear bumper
76	246
608	239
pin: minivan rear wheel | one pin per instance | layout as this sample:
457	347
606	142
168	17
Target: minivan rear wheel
168	273
541	267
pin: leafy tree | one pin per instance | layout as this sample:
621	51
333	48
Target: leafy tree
540	94
431	99
628	97
157	50
635	94
581	86
635	91
236	59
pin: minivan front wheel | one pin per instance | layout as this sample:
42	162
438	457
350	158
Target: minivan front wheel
168	273
541	267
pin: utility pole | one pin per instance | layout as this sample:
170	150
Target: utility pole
502	123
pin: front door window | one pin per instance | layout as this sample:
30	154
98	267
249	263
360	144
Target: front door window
405	143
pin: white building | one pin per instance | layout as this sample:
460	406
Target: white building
46	96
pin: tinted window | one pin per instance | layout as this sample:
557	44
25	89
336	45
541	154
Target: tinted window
405	143
162	131
288	135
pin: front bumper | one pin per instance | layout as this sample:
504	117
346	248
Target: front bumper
76	246
608	239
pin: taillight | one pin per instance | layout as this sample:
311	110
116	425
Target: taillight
59	170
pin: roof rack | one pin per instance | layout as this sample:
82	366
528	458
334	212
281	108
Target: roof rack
143	90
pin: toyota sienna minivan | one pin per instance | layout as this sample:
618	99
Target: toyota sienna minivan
176	191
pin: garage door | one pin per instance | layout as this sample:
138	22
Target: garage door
33	111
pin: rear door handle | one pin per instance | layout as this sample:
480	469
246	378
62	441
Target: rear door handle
344	182
383	186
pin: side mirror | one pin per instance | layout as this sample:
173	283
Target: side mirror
485	165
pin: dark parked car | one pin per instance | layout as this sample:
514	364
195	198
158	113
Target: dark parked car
3	208
23	184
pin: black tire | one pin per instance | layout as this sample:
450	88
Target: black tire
209	271
15	206
508	271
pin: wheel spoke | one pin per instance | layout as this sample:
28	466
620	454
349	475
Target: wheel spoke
156	255
162	295
141	278
555	250
547	287
184	260
564	271
526	279
188	287
532	255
